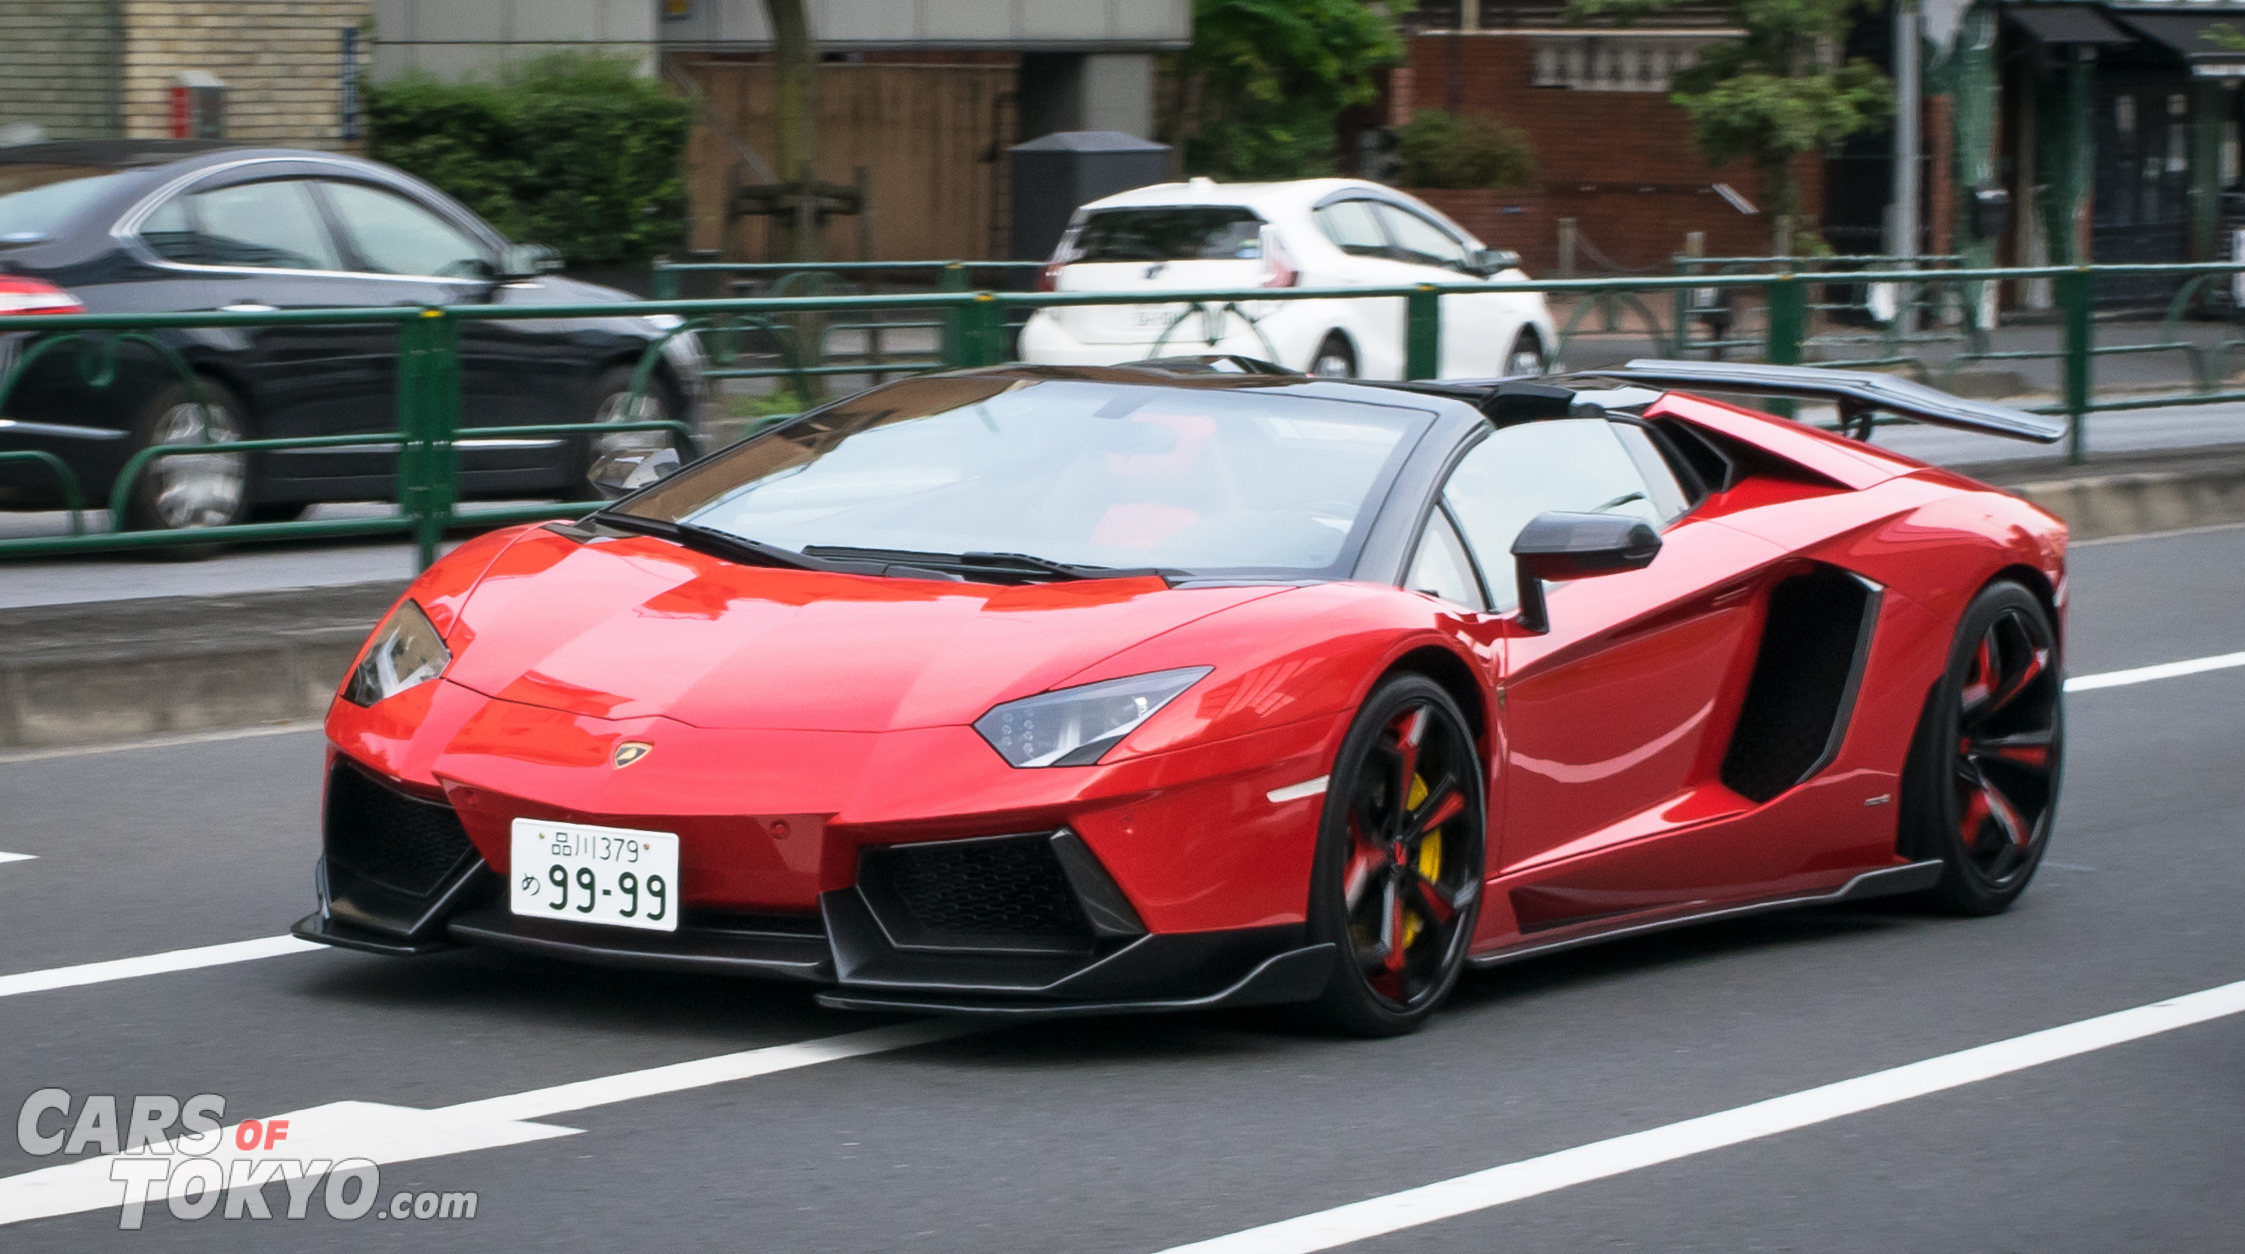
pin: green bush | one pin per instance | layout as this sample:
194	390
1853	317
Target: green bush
1443	150
572	151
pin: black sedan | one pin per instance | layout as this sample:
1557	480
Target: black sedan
178	225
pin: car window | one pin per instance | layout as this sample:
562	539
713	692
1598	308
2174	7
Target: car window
392	235
39	199
1442	568
1580	465
170	232
1422	242
1352	228
1182	233
1120	475
265	226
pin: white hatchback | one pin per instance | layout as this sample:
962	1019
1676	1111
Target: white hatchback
1203	235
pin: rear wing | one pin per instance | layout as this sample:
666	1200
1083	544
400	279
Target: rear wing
1858	393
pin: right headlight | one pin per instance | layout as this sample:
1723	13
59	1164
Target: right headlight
1077	726
406	652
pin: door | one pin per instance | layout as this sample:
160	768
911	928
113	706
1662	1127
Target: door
511	373
1613	719
1376	326
262	244
1477	331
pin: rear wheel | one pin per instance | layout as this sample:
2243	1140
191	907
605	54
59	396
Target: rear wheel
1397	883
1526	357
1335	358
186	491
1981	786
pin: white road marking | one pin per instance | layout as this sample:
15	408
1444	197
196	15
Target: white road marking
1295	792
2145	674
1599	1160
160	742
396	1134
18	857
152	964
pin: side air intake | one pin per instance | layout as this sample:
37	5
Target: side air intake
1814	645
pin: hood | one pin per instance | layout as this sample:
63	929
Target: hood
635	627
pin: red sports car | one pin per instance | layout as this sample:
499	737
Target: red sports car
1033	691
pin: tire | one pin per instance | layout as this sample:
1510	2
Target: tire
1335	358
1526	355
1981	786
1396	888
192	491
609	400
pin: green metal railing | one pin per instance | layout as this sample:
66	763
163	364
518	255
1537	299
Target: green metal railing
428	426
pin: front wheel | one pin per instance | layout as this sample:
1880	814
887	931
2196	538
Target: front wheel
1397	883
1335	358
611	400
1981	786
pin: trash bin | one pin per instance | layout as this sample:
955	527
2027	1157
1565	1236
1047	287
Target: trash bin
1056	175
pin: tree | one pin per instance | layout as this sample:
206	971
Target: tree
1773	94
795	120
1257	95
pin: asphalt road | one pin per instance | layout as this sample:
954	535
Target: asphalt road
1133	1136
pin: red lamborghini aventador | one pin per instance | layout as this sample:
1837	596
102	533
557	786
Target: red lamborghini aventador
1033	691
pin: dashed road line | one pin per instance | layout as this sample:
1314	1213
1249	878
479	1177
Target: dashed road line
159	742
152	964
2164	670
18	857
1599	1160
394	1134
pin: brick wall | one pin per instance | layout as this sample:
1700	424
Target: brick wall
57	59
281	60
1620	163
1502	217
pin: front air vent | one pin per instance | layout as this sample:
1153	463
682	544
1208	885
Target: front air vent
1815	642
377	833
1003	893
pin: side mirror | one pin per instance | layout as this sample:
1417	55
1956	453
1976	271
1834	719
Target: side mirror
527	261
1495	261
627	470
1560	545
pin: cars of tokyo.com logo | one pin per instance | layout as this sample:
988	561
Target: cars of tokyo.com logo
185	1154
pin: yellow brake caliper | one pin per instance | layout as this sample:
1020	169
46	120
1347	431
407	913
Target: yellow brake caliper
1430	858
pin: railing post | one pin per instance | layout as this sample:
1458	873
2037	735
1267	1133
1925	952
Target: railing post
1422	333
982	332
2074	296
953	278
1788	319
666	280
428	418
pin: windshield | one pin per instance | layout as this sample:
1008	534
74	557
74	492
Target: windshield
1193	233
42	199
1201	480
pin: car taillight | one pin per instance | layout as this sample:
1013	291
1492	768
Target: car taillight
19	295
1279	269
1048	279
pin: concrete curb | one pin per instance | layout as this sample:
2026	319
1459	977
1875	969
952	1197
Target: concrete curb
129	670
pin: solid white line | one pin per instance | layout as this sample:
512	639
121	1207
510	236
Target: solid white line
152	964
1599	1160
2145	674
18	857
394	1134
160	742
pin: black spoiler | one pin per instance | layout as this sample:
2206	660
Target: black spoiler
1858	393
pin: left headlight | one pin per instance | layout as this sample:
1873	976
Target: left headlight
406	652
1076	726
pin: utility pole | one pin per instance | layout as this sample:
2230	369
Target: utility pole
1902	215
795	124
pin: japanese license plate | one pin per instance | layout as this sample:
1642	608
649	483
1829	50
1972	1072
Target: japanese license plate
586	874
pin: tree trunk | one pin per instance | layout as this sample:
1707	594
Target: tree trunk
1784	196
795	137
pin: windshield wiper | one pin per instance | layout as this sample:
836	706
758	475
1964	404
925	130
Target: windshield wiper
994	563
710	540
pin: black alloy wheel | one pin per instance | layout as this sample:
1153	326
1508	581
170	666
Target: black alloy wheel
1981	788
1397	885
1526	357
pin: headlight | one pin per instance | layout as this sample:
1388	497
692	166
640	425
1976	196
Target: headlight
406	651
1075	726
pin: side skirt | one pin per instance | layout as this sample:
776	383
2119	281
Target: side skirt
1890	881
